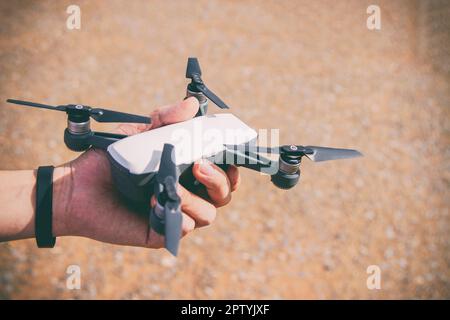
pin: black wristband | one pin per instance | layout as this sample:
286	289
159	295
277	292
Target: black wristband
44	209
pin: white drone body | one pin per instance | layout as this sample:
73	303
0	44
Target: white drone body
135	160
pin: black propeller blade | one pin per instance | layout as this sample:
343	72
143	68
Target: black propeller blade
98	114
193	68
194	73
167	177
172	216
103	115
213	97
36	105
167	166
324	154
314	153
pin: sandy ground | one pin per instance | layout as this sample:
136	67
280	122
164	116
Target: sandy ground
310	68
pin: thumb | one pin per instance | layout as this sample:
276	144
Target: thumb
215	180
162	116
178	112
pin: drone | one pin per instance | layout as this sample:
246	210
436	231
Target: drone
152	163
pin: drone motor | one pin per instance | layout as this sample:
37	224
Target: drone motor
288	173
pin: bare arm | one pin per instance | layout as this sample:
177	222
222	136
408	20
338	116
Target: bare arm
17	196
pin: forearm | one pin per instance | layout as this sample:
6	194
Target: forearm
17	196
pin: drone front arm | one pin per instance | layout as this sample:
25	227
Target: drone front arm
249	160
280	177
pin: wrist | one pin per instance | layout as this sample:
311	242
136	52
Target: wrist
62	195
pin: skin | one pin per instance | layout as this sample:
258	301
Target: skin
86	203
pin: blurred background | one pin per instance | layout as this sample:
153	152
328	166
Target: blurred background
311	69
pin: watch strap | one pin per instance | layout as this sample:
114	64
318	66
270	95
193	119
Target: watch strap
44	207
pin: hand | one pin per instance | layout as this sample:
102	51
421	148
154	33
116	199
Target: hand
87	204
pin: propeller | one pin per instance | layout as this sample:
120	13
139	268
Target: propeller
98	114
168	198
194	73
193	68
314	153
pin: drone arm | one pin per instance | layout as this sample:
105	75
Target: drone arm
279	177
247	159
103	139
115	136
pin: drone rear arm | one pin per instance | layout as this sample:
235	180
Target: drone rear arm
81	142
104	139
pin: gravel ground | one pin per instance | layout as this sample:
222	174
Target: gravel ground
310	68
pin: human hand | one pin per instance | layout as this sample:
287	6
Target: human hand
87	204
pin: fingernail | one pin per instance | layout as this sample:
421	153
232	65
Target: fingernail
206	168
